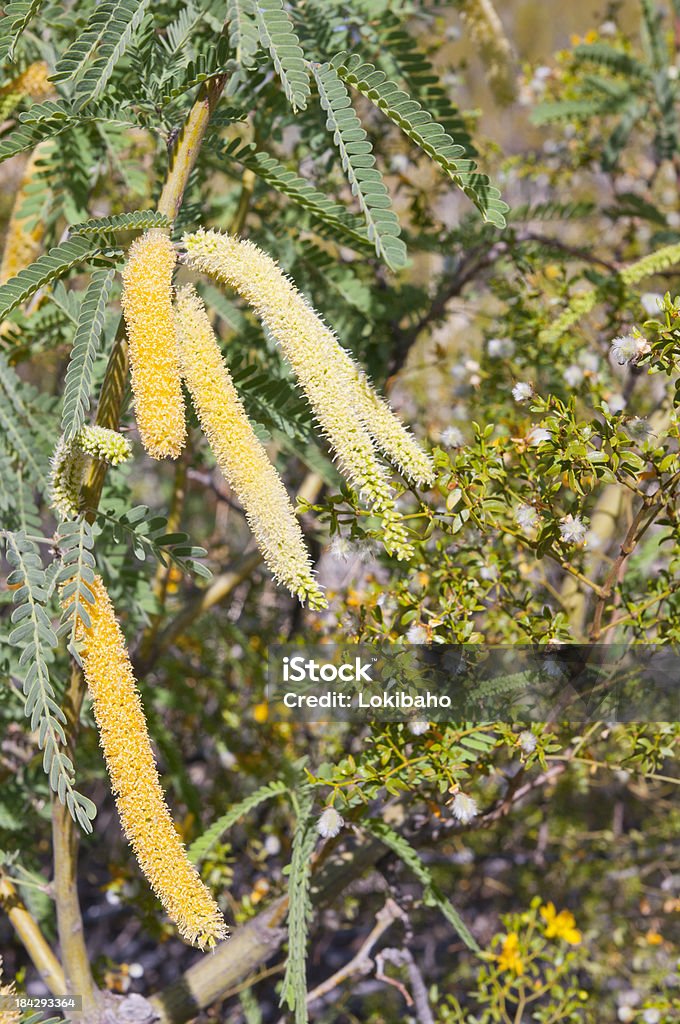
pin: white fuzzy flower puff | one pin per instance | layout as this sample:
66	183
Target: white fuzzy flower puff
522	391
628	348
464	808
330	823
572	529
526	517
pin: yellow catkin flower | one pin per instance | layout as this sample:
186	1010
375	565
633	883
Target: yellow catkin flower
23	240
326	373
32	82
240	456
154	361
389	434
130	762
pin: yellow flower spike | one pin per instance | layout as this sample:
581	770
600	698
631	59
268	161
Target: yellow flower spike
240	456
23	243
154	361
390	434
33	82
327	374
130	762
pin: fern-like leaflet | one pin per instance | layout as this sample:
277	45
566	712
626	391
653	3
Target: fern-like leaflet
33	633
117	37
324	211
358	163
432	895
277	35
76	56
201	847
78	384
16	19
16	422
108	34
136	220
75	577
242	27
47	268
294	988
418	124
146	533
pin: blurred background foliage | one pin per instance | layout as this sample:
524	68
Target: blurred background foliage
572	111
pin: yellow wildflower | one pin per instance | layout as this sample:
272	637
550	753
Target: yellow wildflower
509	958
560	926
130	762
241	457
335	387
154	361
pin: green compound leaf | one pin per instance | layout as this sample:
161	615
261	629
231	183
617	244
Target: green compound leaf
325	211
277	35
358	163
116	38
242	28
433	897
76	575
33	633
201	847
421	128
47	268
294	988
78	385
16	19
136	220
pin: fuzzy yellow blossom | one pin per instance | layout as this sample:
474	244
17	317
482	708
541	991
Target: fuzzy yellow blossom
23	240
32	82
334	385
239	454
70	460
509	958
389	433
560	926
154	362
130	762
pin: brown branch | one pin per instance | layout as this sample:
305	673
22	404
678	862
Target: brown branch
74	956
642	520
32	938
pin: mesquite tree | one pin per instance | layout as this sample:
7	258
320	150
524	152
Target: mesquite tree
278	362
